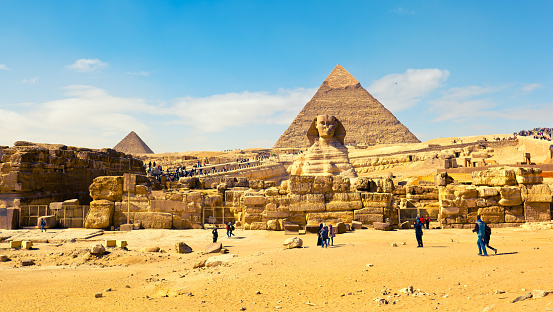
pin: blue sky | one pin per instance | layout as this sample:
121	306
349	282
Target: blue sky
215	75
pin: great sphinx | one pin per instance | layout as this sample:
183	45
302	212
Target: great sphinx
327	154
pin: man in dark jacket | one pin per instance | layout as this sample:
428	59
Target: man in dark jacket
215	235
480	229
418	232
487	236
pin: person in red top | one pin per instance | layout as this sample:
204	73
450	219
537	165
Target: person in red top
421	220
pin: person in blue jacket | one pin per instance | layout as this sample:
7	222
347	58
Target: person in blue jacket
418	231
480	229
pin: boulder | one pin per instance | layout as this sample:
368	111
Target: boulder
293	242
199	264
382	226
213	248
340	227
218	260
107	188
97	249
356	225
273	225
151	249
100	214
182	247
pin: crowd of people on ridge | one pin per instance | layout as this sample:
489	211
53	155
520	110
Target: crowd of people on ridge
537	133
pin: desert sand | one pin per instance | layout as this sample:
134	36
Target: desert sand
361	267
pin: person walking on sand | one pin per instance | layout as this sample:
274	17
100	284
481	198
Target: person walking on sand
319	242
427	221
331	234
324	237
215	235
487	236
229	231
480	229
418	232
42	225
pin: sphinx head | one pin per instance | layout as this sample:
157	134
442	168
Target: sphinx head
326	127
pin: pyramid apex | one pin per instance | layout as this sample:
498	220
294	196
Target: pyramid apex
340	78
133	144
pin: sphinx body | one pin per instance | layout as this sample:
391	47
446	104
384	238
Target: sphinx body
327	154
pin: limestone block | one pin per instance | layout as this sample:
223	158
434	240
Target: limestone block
148	220
528	175
369	210
107	188
182	247
258	226
308	202
193	197
510	196
189	182
465	191
470	202
166	206
212	200
4	258
356	225
486	191
276	214
26	244
273	225
126	227
100	214
253	209
109	242
213	248
293	242
15	244
329	217
376	199
540	193
291	229
252	217
254	200
368	218
340	184
121	243
272	191
537	212
142	190
514	214
340	227
298	218
448	211
256	184
499	176
322	184
51	221
301	184
447	203
494	214
365	185
382	226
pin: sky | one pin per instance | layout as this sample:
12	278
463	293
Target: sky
218	75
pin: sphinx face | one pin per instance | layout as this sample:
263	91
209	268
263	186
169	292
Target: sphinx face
326	126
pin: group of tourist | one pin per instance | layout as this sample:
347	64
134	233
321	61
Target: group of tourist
483	231
537	133
325	235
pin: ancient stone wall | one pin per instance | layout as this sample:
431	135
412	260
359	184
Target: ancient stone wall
502	196
43	173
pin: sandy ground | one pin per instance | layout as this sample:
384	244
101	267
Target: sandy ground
265	277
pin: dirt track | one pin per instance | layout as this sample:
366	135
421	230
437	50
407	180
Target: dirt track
264	277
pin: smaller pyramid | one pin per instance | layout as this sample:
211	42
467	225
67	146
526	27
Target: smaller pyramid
133	144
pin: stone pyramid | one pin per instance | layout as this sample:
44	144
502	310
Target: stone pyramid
364	118
133	144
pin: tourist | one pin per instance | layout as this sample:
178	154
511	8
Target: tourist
418	231
487	236
427	222
324	237
229	230
480	229
422	221
215	235
331	234
319	243
42	225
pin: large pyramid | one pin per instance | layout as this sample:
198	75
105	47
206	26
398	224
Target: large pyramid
133	144
364	118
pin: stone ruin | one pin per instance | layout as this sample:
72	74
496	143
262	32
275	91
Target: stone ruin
32	173
502	196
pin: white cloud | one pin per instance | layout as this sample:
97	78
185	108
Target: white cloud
219	112
139	73
460	103
537	113
88	117
30	81
87	65
401	91
4	67
530	87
